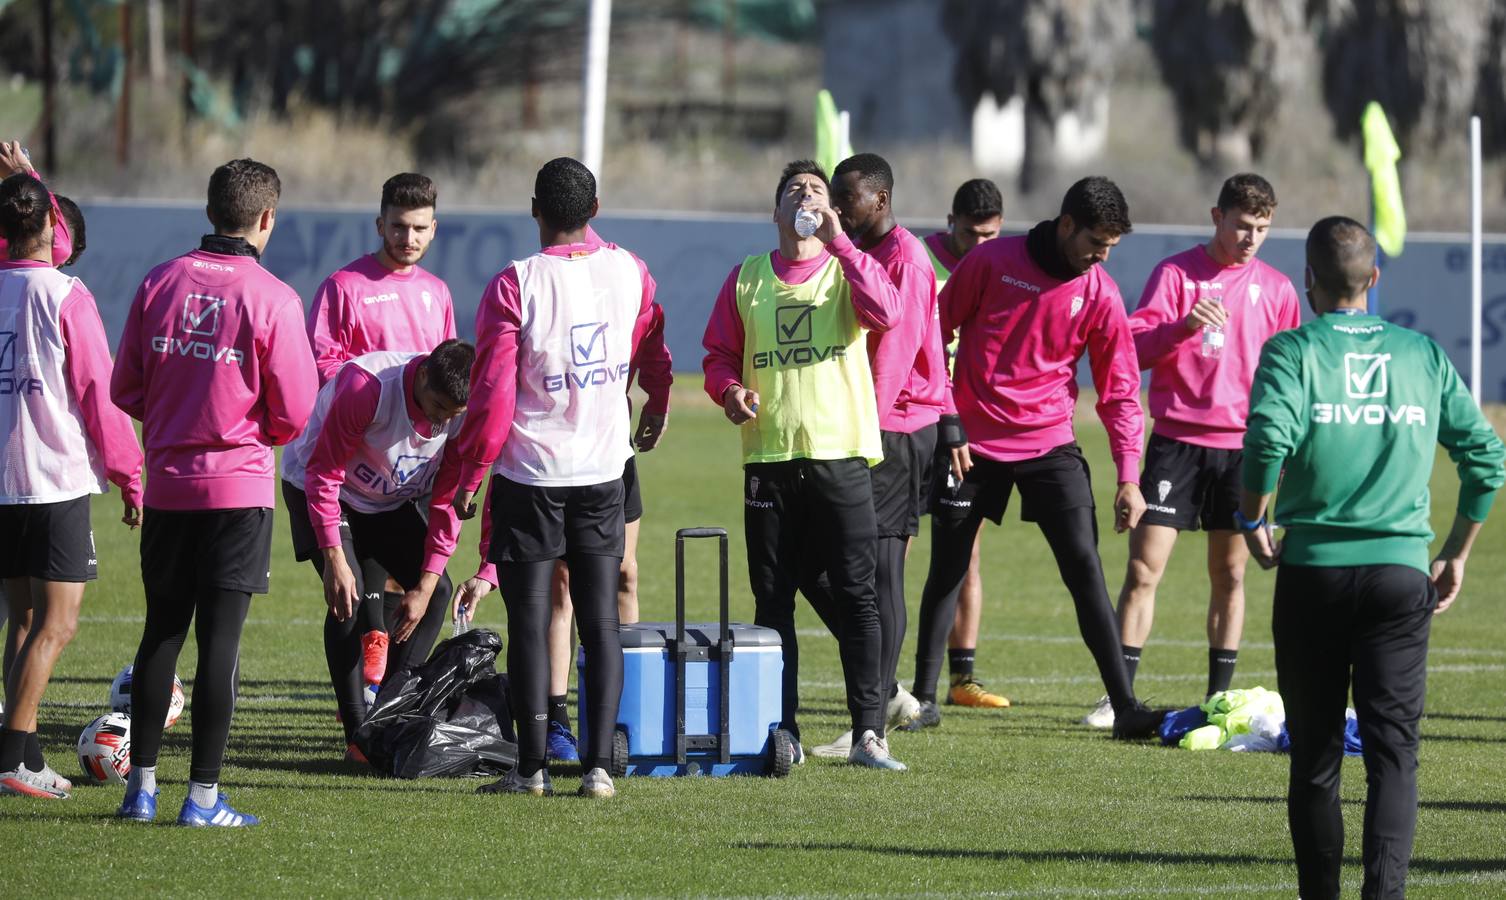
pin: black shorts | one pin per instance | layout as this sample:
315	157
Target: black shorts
187	551
1187	486
901	483
1058	480
632	498
50	541
393	538
531	523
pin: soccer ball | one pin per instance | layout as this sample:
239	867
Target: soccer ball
120	696
104	748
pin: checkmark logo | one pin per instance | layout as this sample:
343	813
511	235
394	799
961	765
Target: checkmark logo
793	324
407	467
7	351
1365	375
588	343
201	314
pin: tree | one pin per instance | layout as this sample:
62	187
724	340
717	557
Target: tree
1229	65
1057	55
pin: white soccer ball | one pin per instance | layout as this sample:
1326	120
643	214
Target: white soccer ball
104	748
120	696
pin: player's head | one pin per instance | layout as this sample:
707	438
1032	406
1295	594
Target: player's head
243	196
977	214
564	195
1094	216
1242	218
442	386
26	217
801	179
74	217
862	189
406	224
1340	263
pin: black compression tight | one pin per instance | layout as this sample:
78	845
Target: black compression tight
527	591
218	616
889	585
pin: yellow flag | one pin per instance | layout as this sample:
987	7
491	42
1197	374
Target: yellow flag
1381	154
831	145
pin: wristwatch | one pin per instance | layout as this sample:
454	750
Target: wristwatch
1244	524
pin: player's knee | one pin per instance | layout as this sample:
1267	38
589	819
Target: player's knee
627	577
1226	580
1142	575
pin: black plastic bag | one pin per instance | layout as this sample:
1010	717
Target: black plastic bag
446	718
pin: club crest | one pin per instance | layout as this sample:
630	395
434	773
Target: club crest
1162	489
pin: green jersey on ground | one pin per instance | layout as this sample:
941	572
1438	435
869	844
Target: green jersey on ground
1351	407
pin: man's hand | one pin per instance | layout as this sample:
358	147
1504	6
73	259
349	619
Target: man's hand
1129	506
13	160
740	404
1448	578
962	461
1263	545
469	595
650	430
132	516
830	226
413	606
1207	312
464	503
339	584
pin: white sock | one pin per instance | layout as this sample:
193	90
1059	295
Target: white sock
142	778
204	796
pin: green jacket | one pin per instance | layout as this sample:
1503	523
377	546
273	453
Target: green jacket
1351	408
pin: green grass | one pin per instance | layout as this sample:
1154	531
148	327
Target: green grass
1023	802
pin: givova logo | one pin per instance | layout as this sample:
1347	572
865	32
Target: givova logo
10	384
588	343
1366	378
1365	375
201	318
793	324
793	334
201	314
588	354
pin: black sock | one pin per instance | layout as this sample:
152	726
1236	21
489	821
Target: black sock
34	759
12	749
559	711
959	662
1131	660
1220	669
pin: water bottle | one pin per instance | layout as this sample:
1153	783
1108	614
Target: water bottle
1213	336
462	621
807	221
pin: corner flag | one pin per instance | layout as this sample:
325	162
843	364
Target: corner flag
831	142
1381	154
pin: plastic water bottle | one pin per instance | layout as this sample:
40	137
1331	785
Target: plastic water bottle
462	622
1213	336
806	222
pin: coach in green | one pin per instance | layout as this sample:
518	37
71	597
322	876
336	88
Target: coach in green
1351	406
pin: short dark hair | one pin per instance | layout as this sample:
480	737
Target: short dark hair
1341	254
74	217
978	199
238	193
449	368
799	167
1096	202
873	170
24	203
1248	192
409	190
563	192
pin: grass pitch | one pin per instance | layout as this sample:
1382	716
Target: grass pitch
1019	802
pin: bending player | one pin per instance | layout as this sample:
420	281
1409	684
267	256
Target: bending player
1028	308
384	301
62	441
556	334
786	356
357	484
1202	319
214	362
977	215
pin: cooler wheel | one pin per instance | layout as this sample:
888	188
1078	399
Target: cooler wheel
619	752
781	753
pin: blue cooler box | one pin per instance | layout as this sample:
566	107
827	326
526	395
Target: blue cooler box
698	698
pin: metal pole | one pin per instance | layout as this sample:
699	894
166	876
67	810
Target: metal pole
1476	259
156	49
594	110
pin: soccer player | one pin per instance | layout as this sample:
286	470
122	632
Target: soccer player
556	334
1202	319
61	441
786	356
1352	407
357	484
909	376
1028	308
384	301
214	363
977	215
